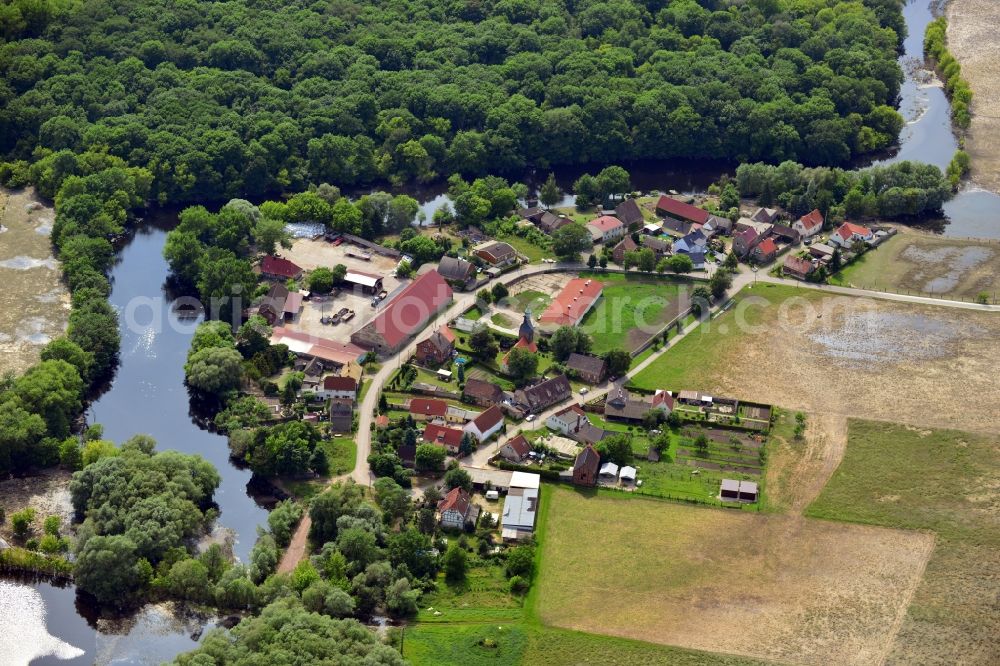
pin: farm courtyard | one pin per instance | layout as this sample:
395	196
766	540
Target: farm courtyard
840	355
765	586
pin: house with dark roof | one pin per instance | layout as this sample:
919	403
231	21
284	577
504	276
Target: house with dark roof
656	244
405	315
809	224
426	409
785	233
280	304
625	245
766	215
620	404
548	222
765	251
516	449
544	394
693	242
796	267
587	368
629	213
449	438
436	348
407	455
586	466
276	268
497	254
482	393
744	241
678	210
457	272
342	414
486	424
457	509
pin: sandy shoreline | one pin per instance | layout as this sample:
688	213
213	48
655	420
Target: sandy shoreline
973	26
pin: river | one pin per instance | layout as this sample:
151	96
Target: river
148	393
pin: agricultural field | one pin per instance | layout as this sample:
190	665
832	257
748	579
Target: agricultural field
763	586
631	310
918	263
943	482
34	299
833	355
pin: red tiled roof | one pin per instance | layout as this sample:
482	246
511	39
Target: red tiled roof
848	229
447	333
488	419
520	445
303	343
812	219
428	407
748	235
572	302
381	421
456	499
798	265
411	309
448	437
767	246
663	398
605	223
277	266
682	210
340	383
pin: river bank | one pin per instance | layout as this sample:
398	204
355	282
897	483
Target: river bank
973	30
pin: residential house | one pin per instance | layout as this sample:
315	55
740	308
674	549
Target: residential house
549	223
531	213
796	267
515	450
620	404
744	241
717	225
449	438
497	254
673	209
405	315
486	424
544	394
822	251
457	509
809	224
519	510
849	233
567	420
427	409
437	348
766	215
572	304
482	393
656	244
280	305
629	213
276	268
458	272
762	228
342	414
605	228
586	466
786	234
625	245
765	251
338	387
366	283
589	369
693	242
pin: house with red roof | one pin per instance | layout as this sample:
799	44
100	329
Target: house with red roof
405	315
605	228
449	438
796	267
486	424
516	449
338	387
744	241
426	409
437	348
680	211
276	268
570	306
764	252
809	224
456	509
849	233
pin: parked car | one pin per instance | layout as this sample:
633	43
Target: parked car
530	418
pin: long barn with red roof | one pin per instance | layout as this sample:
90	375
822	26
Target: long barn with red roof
405	315
572	304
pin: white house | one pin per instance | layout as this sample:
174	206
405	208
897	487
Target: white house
605	228
455	508
809	224
567	420
486	424
338	387
848	233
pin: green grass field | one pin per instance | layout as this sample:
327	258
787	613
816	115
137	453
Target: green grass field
530	298
628	302
533	252
502	320
473	314
944	481
684	365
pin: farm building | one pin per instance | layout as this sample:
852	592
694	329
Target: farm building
482	393
590	369
629	213
367	283
280	304
680	211
608	472
766	215
796	267
276	268
456	271
627	474
497	254
626	245
309	346
405	314
738	491
570	306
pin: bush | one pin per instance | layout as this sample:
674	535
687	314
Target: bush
21	522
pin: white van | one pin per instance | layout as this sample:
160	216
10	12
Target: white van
493	495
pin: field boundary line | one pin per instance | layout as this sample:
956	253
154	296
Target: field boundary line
904	608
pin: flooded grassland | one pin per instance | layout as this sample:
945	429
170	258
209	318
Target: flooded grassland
34	301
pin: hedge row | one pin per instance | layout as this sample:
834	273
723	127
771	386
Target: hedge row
957	88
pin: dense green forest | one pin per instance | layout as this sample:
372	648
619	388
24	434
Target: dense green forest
218	99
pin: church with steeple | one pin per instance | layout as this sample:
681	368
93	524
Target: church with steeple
525	339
